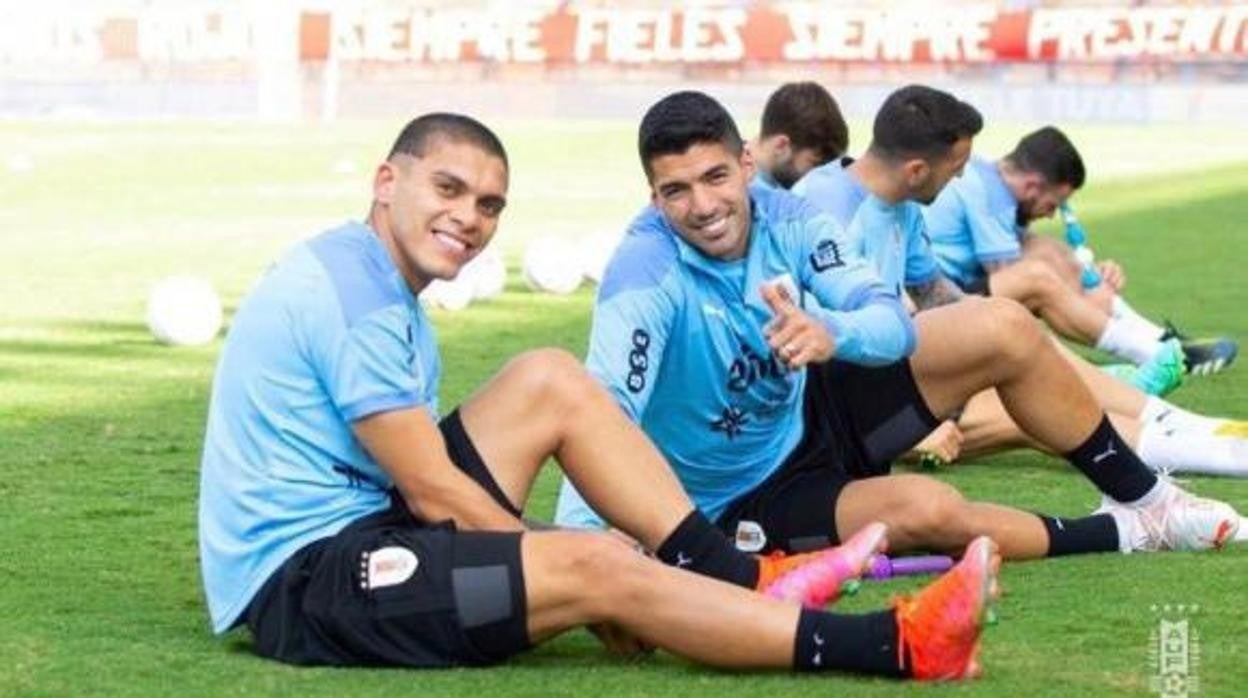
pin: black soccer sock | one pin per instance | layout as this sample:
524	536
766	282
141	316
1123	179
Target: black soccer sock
696	545
1089	534
864	644
1111	465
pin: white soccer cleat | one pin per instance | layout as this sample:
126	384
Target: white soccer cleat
1180	521
1241	536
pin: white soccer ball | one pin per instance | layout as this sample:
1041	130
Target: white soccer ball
184	311
596	251
553	266
448	295
486	274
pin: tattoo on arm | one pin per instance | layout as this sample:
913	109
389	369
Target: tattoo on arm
935	293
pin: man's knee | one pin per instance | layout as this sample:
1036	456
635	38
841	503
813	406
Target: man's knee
601	571
1010	329
553	374
1040	282
934	512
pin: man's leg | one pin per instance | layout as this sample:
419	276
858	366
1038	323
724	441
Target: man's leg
575	579
544	404
1200	355
923	513
971	345
1057	255
987	426
1069	313
1112	394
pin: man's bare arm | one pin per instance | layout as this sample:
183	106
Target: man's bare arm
935	293
408	445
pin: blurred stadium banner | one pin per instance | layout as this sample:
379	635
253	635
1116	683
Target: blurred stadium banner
286	59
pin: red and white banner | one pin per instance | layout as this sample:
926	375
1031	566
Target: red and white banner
754	33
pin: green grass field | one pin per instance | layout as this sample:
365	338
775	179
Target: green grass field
100	427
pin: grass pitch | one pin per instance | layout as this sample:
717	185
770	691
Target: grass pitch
100	428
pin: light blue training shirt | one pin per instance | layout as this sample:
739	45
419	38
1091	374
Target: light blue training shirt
330	335
890	236
974	222
678	341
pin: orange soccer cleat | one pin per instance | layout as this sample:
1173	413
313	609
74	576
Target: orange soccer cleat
814	579
940	626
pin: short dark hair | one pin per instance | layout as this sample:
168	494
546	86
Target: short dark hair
809	116
1051	154
920	121
682	120
416	138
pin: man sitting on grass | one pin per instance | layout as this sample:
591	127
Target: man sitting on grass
980	235
344	524
782	421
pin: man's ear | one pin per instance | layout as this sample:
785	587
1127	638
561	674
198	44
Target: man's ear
783	146
1033	186
748	165
915	172
384	182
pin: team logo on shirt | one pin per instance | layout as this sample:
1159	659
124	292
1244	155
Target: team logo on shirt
638	361
827	254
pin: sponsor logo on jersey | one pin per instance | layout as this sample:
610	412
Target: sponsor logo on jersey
638	361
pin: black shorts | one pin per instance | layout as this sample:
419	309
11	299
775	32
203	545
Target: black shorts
979	287
858	420
390	590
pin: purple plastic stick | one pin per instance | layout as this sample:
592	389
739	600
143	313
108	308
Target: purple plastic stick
884	567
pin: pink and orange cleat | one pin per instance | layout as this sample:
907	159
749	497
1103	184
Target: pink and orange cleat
814	579
940	626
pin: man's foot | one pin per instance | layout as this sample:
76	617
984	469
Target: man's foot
1159	375
1179	521
815	579
940	626
1203	356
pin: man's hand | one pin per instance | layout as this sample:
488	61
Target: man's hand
796	338
1112	274
619	641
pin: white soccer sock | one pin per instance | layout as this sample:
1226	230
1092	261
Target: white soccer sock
1166	414
1123	310
1168	451
1124	339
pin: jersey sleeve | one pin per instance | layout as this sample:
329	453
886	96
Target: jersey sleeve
632	322
866	318
626	343
633	316
992	239
373	364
